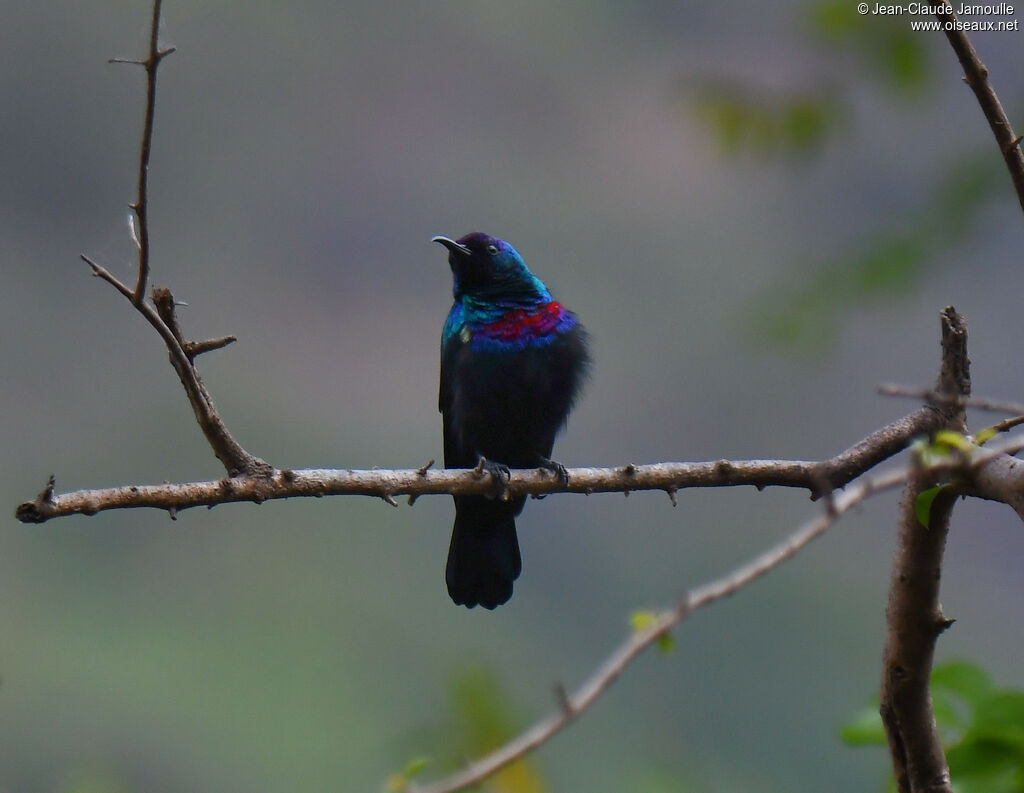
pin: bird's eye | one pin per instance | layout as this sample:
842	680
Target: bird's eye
492	249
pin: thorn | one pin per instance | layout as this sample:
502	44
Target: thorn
1013	144
390	499
478	472
672	496
562	698
625	494
161	54
629	469
131	61
422	470
412	498
46	496
172	513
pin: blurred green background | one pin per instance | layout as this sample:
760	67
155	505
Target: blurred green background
757	211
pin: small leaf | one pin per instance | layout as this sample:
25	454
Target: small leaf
415	766
865	729
954	440
923	504
642	620
985	435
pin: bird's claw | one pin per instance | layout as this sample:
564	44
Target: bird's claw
500	477
555	468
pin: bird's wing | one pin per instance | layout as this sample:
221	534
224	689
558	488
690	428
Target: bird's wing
444	400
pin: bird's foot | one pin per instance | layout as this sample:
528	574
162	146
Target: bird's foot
555	468
500	476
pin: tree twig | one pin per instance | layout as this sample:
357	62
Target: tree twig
914	617
161	314
976	76
933	397
141	204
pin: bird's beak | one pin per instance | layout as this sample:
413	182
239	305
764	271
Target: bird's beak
452	245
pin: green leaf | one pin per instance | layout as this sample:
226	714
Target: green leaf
963	678
416	765
642	620
865	729
923	504
954	440
985	435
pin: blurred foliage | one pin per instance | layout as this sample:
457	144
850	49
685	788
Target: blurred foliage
484	722
480	720
888	263
744	117
982	729
892	53
93	780
790	125
796	124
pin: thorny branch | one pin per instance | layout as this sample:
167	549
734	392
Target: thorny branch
817	477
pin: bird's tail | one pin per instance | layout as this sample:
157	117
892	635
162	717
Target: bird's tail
483	558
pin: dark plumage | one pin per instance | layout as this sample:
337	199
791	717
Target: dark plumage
512	362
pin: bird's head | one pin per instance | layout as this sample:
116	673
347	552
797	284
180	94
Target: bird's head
486	267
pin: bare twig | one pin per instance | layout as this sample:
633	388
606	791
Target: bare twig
933	397
914	617
236	460
141	205
976	76
161	313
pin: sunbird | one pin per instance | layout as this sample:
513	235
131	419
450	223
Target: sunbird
512	363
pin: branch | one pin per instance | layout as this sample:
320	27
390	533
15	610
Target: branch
976	76
161	315
141	205
914	616
817	477
571	706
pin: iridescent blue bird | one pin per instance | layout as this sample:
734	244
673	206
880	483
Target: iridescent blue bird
512	363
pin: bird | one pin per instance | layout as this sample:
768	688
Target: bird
513	361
